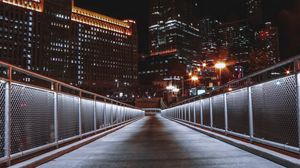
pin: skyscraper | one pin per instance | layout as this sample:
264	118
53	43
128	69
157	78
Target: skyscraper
174	37
68	43
255	12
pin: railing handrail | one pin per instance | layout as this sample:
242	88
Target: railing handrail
48	79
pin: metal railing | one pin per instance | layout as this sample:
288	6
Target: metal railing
263	107
38	113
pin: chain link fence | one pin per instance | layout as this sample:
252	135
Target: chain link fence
36	117
2	118
266	113
67	116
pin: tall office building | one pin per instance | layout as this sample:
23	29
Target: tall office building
238	39
68	43
255	12
174	38
266	46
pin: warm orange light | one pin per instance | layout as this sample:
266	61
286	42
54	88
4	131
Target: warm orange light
204	65
37	5
230	89
97	20
198	69
165	52
195	78
190	74
288	72
220	65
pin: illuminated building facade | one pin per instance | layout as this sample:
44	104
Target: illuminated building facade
60	40
266	47
173	35
237	39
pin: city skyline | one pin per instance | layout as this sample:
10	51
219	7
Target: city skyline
228	11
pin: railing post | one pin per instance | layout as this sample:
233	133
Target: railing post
7	136
189	112
194	104
201	112
95	114
225	113
55	87
298	106
211	113
79	110
185	111
251	131
104	114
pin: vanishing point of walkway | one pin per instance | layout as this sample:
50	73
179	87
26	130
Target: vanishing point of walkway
155	142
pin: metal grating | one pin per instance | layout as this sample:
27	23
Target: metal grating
275	111
100	114
218	112
237	109
198	111
183	112
192	112
67	116
87	115
108	109
2	118
114	112
206	112
32	116
187	108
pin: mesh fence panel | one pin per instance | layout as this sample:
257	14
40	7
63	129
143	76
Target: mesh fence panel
206	112
108	109
100	114
198	111
87	115
32	116
67	116
275	111
187	108
218	112
2	118
192	112
114	112
237	109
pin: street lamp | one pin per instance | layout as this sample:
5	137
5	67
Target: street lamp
220	66
194	78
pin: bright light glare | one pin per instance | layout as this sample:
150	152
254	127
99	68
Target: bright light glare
220	65
170	87
195	78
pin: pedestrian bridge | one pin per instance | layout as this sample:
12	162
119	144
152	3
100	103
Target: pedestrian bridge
251	122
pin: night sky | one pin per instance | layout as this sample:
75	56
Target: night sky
224	10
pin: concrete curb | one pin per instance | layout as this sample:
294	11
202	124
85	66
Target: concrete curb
273	156
44	158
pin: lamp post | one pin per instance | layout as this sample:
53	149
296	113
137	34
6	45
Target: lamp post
220	66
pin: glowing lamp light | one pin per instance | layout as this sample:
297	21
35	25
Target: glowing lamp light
190	74
170	87
220	65
195	78
175	90
204	65
288	72
198	69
